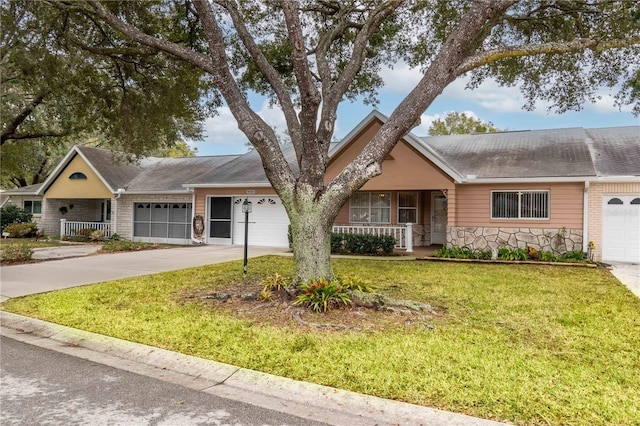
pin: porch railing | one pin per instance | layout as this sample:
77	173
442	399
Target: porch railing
69	228
402	233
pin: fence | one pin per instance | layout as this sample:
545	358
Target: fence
75	229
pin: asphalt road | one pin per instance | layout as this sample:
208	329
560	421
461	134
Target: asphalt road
39	387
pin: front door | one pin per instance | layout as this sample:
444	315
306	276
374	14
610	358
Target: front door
220	209
438	218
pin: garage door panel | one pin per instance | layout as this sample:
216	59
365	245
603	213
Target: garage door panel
621	228
268	222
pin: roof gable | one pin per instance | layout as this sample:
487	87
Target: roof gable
77	180
375	118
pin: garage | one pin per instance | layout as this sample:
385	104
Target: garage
268	222
621	228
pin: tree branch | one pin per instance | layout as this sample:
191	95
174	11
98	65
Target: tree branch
9	132
444	68
199	60
574	46
333	93
312	161
21	136
260	134
266	69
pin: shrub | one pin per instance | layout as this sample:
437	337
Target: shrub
507	253
97	235
13	214
16	253
275	282
461	253
321	295
22	230
547	256
362	244
112	246
573	256
355	282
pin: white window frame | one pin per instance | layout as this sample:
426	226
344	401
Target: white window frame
520	193
417	195
31	209
351	207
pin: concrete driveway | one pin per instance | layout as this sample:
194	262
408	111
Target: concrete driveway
628	274
21	280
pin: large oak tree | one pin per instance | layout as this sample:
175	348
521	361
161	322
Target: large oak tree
311	55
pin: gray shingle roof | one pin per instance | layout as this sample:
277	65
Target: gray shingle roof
616	150
170	174
246	168
113	167
560	153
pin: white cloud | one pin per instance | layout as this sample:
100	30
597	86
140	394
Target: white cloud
489	95
222	135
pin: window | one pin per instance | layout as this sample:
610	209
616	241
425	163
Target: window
78	175
370	207
408	207
635	201
33	206
520	204
615	201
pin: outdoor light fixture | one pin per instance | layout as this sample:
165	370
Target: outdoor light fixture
246	206
246	209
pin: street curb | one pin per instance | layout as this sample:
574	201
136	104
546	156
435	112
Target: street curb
307	400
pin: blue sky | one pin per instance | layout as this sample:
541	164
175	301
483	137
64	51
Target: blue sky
490	102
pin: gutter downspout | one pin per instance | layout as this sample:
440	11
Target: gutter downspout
585	218
119	193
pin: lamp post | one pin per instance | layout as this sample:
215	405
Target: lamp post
246	209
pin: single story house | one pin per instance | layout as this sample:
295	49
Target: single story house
558	189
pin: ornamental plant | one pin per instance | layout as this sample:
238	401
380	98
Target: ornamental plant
321	295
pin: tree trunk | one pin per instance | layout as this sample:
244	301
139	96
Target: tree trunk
311	221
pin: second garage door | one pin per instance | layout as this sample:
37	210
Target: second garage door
268	222
621	228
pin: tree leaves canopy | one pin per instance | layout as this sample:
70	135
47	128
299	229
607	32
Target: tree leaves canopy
66	75
459	123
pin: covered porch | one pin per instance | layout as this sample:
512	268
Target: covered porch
413	218
78	217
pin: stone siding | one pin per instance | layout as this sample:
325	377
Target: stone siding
542	239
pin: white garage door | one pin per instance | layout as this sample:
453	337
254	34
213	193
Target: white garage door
621	228
268	222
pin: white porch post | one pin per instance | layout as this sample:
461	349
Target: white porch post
63	225
409	238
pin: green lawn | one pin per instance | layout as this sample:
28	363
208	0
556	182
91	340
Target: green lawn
5	242
526	344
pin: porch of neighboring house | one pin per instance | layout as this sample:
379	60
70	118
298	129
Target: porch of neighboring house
73	218
416	219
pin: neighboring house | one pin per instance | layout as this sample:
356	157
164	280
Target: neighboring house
549	189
